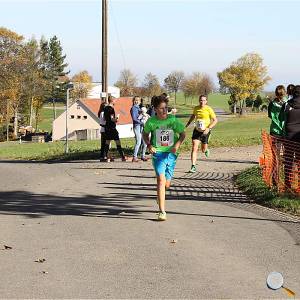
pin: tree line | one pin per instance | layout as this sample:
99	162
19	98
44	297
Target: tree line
33	72
192	85
243	80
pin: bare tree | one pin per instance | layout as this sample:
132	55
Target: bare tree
206	86
197	84
173	82
188	89
127	83
151	85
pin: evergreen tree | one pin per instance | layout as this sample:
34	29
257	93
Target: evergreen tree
53	63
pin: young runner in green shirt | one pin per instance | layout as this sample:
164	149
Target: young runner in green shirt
167	134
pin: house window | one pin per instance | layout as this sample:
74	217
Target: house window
72	117
85	117
78	106
78	117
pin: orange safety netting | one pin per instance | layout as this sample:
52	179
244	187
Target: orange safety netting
280	163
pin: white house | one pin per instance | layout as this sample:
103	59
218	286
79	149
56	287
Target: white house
83	121
96	90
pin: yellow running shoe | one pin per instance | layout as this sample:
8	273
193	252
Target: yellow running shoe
162	216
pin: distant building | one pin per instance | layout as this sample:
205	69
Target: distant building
83	121
97	89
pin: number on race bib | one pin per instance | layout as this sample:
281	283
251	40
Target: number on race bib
164	138
200	124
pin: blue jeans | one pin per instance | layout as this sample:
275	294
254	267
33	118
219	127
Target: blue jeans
138	129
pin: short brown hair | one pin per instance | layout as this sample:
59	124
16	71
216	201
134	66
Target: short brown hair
157	100
203	96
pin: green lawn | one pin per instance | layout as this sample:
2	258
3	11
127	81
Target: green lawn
185	106
250	181
237	131
240	131
46	118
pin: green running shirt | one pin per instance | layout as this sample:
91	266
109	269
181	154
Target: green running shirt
164	133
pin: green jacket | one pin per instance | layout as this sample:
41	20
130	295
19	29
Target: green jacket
277	123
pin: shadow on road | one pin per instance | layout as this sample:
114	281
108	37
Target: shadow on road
112	165
234	161
40	205
122	200
127	206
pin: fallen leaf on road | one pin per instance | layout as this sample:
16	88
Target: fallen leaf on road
40	260
7	247
174	241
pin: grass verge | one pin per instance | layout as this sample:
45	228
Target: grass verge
251	182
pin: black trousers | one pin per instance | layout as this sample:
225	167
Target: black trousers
103	141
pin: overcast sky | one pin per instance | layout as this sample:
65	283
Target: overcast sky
161	36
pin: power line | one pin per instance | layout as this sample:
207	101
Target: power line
117	34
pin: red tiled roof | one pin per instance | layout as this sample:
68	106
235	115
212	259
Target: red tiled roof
92	104
122	107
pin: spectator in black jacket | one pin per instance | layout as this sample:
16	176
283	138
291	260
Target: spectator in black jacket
290	90
291	115
111	132
291	112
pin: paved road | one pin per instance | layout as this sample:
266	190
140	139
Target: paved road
94	224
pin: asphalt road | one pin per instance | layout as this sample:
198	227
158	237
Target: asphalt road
95	226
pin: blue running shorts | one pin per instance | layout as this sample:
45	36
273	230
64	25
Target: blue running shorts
164	163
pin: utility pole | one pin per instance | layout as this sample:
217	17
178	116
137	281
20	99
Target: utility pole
69	87
104	93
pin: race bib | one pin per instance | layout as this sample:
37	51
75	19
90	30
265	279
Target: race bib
200	124
164	137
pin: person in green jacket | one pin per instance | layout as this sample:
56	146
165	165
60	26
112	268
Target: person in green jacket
274	108
276	129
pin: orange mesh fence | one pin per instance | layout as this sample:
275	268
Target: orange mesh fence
280	163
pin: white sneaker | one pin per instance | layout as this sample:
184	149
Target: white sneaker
162	216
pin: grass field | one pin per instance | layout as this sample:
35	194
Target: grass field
250	181
237	131
240	131
46	118
185	106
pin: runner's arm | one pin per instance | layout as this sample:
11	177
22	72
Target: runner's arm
192	117
179	142
146	138
212	124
